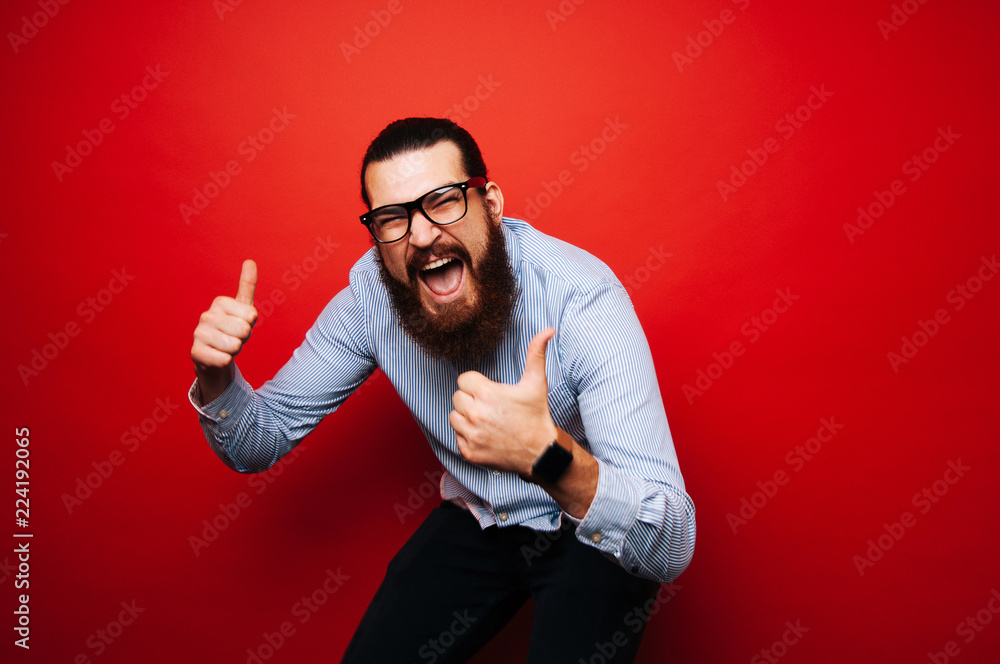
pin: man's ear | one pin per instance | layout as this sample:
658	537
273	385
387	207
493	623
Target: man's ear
494	198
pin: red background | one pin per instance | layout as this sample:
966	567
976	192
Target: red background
653	189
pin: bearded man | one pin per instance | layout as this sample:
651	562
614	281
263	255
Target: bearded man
522	360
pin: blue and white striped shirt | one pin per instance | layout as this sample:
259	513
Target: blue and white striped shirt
602	391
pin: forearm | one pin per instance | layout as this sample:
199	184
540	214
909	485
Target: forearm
250	430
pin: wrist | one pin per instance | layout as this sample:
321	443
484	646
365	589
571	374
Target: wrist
213	381
576	489
553	461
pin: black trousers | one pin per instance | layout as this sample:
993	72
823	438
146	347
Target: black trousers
453	586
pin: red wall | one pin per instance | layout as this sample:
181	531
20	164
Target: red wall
703	266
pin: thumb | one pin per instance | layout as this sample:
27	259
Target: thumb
534	363
248	282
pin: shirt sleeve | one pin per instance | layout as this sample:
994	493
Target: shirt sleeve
641	516
251	430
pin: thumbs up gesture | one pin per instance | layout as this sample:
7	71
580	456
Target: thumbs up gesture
505	427
221	333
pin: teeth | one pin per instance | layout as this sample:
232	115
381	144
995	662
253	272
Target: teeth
437	263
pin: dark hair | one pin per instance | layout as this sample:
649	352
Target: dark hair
411	134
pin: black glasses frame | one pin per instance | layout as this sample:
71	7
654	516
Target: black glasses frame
418	204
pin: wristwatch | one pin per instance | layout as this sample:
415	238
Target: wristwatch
552	463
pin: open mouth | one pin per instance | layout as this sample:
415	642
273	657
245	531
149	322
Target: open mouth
443	278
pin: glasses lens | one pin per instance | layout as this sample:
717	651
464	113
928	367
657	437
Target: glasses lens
445	205
389	224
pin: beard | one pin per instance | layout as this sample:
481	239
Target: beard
462	333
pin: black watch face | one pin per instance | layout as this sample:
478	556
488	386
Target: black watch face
553	463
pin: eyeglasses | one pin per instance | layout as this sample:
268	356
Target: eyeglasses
445	205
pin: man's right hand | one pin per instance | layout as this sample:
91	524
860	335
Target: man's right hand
221	333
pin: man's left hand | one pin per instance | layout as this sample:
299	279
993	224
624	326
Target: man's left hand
503	426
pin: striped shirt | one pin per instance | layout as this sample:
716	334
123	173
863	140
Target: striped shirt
602	391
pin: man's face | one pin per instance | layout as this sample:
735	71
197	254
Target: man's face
450	285
408	176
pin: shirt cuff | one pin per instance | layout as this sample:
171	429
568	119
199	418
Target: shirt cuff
225	410
612	512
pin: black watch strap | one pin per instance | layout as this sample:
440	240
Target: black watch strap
552	463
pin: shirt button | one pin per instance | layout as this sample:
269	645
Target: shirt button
503	516
595	538
496	472
223	414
